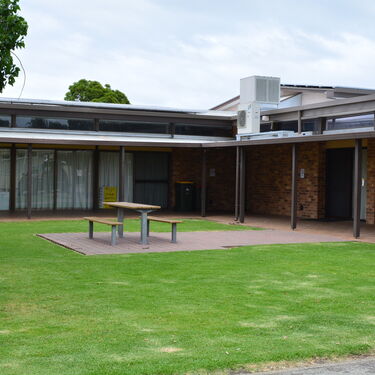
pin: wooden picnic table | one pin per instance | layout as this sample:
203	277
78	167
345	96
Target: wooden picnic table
143	209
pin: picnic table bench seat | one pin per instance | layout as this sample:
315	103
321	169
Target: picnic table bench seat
173	222
100	220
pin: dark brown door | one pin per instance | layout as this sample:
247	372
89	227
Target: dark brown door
339	183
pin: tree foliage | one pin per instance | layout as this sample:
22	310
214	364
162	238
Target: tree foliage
93	91
13	29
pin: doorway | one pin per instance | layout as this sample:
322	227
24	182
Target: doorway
339	183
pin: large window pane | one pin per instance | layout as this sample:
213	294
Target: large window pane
4	121
21	179
207	131
42	179
151	178
74	179
287	125
311	125
133	127
4	179
54	123
109	176
364	121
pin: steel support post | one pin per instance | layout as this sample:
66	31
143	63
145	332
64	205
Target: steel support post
204	183
242	185
13	158
121	170
29	179
357	188
293	214
237	184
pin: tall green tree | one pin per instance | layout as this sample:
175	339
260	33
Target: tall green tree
13	29
93	91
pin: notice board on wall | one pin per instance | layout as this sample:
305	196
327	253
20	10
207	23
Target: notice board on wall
107	194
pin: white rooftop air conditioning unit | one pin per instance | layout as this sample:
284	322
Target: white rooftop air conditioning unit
248	118
254	91
262	90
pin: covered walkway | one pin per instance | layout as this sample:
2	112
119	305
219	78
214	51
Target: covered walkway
340	229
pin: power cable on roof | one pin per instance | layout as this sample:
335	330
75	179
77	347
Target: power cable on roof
24	73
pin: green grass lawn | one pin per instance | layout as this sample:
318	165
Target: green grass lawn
172	313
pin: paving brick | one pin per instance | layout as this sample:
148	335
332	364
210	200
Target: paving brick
187	241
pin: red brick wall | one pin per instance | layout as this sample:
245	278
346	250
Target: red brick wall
186	164
311	189
268	170
269	180
221	187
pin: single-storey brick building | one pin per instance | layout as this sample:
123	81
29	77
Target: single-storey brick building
314	156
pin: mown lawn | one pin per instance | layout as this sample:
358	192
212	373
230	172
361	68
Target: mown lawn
172	313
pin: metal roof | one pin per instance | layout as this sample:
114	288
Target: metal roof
128	107
96	139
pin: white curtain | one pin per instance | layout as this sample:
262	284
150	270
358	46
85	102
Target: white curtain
4	179
109	174
74	179
21	179
128	186
42	179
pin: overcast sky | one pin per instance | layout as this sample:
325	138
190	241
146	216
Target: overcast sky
191	54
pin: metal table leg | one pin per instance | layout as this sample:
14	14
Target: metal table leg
120	218
174	232
144	239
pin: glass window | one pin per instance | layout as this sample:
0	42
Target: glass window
4	179
287	125
54	123
42	179
264	128
21	179
74	179
151	178
310	125
364	121
133	127
203	130
42	188
109	176
5	121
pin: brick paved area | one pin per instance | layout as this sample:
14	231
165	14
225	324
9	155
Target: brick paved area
160	242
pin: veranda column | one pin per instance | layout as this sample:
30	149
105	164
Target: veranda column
357	188
95	179
204	182
242	184
293	214
236	197
29	179
121	169
13	158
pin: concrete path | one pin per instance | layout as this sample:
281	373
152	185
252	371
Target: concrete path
354	367
160	242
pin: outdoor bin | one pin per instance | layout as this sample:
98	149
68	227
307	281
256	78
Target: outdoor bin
185	196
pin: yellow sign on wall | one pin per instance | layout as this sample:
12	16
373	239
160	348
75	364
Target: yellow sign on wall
109	195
